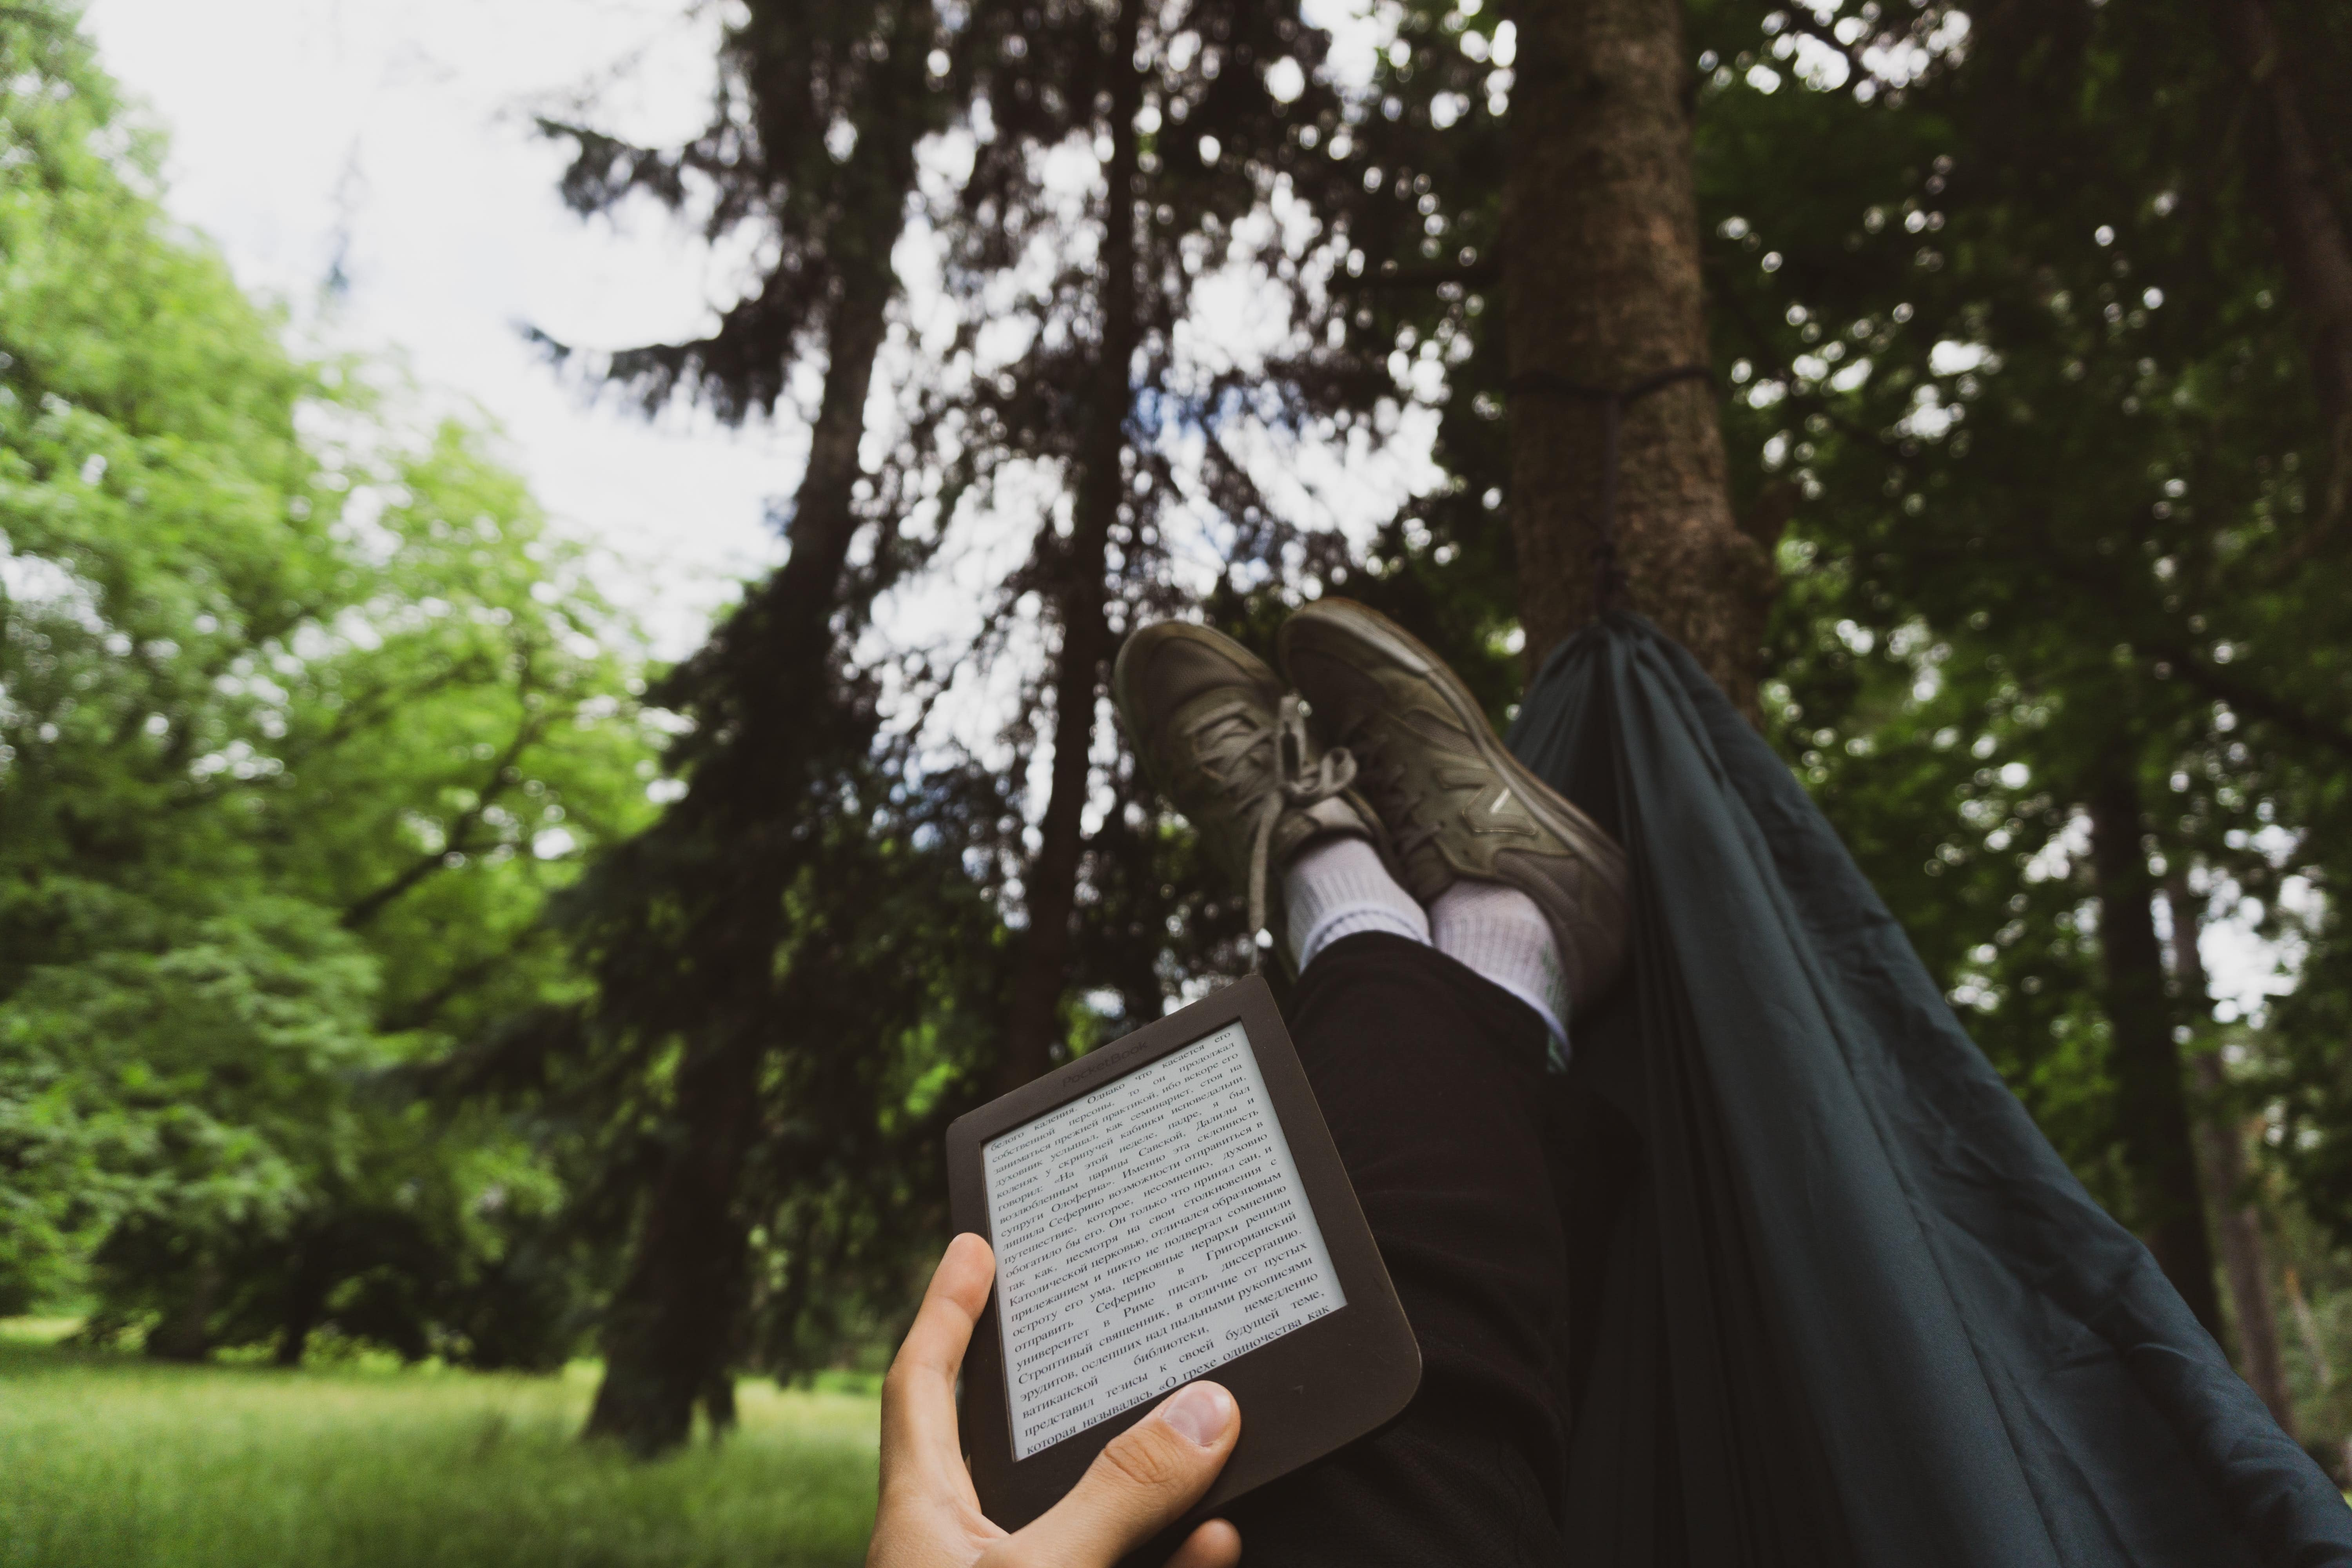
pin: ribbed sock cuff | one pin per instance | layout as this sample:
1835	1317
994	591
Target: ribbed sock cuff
1338	888
1500	933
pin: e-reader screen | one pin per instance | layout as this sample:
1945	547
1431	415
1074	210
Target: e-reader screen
1145	1233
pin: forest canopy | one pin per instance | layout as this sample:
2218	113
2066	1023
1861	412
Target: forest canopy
350	980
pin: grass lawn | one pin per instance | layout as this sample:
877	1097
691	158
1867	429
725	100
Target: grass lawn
109	1461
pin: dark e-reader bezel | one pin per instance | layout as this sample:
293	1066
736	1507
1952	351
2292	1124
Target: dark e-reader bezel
1302	1396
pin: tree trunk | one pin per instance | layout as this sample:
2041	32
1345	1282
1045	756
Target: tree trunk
293	1342
185	1332
670	1332
2291	177
2152	1110
1051	887
2237	1227
671	1336
306	1302
1601	288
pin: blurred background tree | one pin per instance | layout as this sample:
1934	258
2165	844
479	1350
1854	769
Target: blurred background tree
787	960
2058	638
304	718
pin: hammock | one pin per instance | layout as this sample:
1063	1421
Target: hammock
1841	1303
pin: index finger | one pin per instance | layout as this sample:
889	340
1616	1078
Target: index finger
918	1419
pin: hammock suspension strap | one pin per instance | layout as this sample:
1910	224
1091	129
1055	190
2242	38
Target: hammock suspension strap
1608	578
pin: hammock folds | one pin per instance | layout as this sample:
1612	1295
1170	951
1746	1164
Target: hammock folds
1842	1304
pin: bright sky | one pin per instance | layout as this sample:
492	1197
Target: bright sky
399	134
398	137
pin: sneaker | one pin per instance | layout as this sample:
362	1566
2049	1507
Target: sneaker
1224	741
1453	800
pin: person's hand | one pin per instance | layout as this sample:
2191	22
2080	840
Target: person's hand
928	1516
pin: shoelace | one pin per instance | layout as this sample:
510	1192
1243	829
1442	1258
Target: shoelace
1295	784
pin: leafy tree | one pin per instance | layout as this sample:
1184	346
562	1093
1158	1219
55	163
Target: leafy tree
298	730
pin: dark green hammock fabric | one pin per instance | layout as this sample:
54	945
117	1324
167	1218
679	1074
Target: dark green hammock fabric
1844	1304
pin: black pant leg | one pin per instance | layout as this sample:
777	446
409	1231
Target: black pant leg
1431	1079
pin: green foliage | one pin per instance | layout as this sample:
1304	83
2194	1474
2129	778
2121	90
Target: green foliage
300	724
189	1088
108	1463
303	723
2014	346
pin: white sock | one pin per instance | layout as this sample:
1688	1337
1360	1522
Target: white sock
1498	932
1338	888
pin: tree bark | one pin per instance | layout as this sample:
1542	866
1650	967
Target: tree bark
2151	1108
1601	288
2291	178
1051	887
672	1333
2236	1225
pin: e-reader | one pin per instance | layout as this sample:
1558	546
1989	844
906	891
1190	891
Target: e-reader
1166	1207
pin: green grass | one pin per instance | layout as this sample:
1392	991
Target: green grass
109	1461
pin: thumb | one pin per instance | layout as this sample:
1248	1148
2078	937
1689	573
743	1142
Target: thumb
1139	1486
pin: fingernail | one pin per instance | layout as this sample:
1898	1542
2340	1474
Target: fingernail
1200	1412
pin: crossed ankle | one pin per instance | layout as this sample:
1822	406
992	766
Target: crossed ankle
1500	933
1338	887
